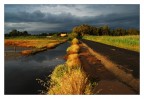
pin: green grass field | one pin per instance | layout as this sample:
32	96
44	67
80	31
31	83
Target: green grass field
127	42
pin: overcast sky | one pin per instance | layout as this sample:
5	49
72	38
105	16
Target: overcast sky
57	18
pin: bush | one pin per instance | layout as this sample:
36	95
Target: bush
58	72
75	41
74	82
72	35
73	61
73	49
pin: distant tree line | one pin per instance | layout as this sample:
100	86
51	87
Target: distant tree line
103	30
17	33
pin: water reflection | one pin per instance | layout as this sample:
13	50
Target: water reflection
21	72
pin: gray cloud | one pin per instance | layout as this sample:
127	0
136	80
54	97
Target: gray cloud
41	19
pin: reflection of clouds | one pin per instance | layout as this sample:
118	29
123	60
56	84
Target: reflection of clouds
43	60
49	55
22	72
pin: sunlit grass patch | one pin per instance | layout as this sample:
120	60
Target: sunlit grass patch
52	45
33	51
26	52
126	42
74	82
73	60
73	49
58	73
75	41
31	43
38	45
69	78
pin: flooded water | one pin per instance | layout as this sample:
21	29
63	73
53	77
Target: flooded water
21	72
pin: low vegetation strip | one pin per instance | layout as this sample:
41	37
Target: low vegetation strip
31	52
69	78
39	45
127	42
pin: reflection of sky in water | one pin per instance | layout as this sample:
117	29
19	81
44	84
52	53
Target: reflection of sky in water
22	72
15	49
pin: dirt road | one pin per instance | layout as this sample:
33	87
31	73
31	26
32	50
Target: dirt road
125	58
107	82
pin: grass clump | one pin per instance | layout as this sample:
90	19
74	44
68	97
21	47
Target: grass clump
74	82
52	45
73	60
26	52
69	78
75	41
58	73
73	49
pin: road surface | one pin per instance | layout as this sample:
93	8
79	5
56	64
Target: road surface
125	58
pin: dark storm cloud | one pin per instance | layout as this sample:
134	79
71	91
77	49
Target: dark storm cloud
53	18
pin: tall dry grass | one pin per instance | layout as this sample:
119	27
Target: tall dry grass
69	78
73	60
39	45
32	43
72	83
75	41
73	49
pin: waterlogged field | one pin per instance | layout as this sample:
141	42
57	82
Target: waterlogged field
38	43
127	42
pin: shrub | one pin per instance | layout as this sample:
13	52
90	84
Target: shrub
58	72
73	61
74	82
73	49
72	36
75	41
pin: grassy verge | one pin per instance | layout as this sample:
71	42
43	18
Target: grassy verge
126	42
69	78
37	43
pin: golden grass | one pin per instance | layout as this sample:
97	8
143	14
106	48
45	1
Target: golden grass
37	43
73	60
34	51
75	41
72	83
69	78
73	49
58	73
26	52
52	45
